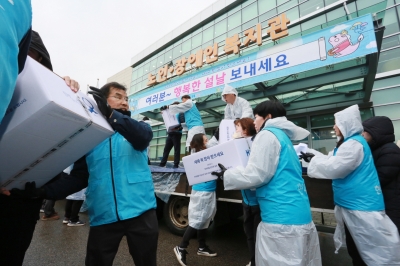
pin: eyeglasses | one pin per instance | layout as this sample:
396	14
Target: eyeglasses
120	98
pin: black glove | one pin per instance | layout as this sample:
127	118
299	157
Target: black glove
101	101
306	156
165	107
181	118
216	134
30	192
220	174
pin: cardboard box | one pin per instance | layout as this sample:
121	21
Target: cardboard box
199	166
226	130
46	128
169	120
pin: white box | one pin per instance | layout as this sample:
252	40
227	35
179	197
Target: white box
169	120
198	166
226	130
46	128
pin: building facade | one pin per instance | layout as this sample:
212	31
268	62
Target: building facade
311	96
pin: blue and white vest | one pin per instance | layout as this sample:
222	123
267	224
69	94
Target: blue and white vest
284	199
209	186
360	190
193	117
249	197
120	182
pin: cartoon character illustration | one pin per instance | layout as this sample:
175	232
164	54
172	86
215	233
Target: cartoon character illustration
359	27
342	44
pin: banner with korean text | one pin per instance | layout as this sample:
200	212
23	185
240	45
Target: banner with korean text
332	45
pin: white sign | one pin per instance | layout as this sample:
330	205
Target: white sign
226	130
169	120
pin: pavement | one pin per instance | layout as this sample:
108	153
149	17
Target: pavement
56	244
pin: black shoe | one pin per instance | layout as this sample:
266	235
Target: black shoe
176	166
180	254
206	252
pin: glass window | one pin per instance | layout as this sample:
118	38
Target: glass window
310	6
134	74
168	56
390	42
176	52
153	65
366	113
322	120
323	139
208	34
364	4
352	7
390	21
220	27
328	2
152	153
286	6
249	12
266	5
337	13
220	38
313	22
250	24
293	13
391	111
280	2
140	71
186	46
223	16
396	125
160	61
270	14
389	60
196	40
234	31
234	10
146	68
234	20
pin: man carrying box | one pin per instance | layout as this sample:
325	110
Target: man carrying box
120	192
192	117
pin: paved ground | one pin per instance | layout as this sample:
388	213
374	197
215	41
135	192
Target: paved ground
57	244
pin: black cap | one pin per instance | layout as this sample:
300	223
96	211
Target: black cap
38	45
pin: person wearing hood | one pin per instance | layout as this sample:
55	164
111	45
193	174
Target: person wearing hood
286	234
236	107
192	117
15	36
379	133
18	217
360	210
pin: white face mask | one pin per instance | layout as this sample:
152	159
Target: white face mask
237	135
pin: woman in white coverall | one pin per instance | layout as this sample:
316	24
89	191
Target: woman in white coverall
357	194
287	234
202	209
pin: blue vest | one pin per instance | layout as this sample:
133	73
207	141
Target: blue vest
249	197
284	199
360	190
193	117
120	182
209	186
15	21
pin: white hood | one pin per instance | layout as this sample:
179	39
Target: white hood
294	132
349	121
228	90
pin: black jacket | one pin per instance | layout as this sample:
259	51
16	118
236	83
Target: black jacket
387	161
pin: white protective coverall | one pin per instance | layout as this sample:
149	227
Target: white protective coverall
192	118
239	109
276	244
374	234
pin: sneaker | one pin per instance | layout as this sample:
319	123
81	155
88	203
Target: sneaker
66	220
180	254
249	264
51	217
206	252
78	223
175	166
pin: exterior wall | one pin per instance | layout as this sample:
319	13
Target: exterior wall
123	77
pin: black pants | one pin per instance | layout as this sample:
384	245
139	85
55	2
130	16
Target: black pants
72	208
352	249
141	234
191	232
49	207
17	223
173	140
252	218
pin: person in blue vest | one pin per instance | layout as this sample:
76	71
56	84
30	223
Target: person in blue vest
202	209
251	209
120	192
360	210
286	234
192	117
15	37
